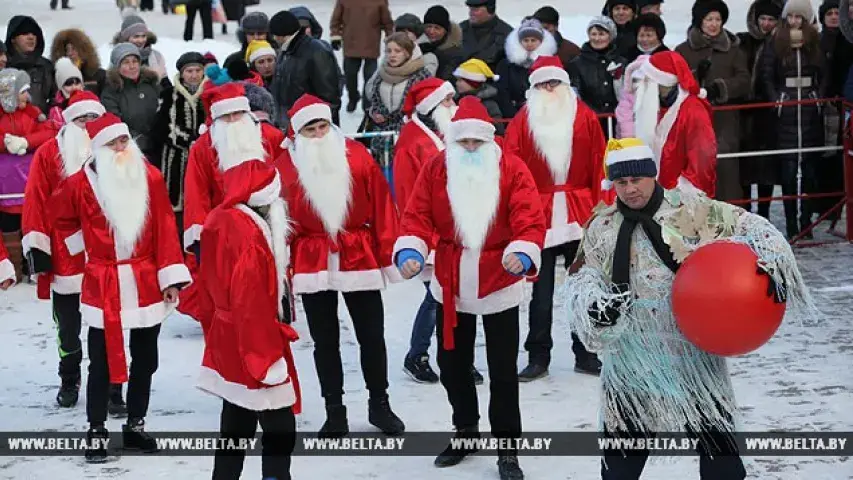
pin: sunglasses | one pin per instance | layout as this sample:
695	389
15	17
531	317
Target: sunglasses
71	82
549	83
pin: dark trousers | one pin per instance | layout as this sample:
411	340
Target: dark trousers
541	317
66	317
143	364
501	331
424	327
368	319
277	441
351	67
203	7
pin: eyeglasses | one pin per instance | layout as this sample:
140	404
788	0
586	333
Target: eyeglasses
71	82
549	83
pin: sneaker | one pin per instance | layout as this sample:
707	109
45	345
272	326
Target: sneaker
379	415
419	369
453	456
588	365
508	467
336	425
533	371
478	377
135	437
96	454
116	406
69	393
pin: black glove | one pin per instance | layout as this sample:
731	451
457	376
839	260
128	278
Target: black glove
337	44
38	261
778	292
713	92
702	70
610	314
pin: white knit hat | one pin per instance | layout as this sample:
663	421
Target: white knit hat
65	69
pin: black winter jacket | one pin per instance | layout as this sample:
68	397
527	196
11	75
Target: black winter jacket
594	83
40	69
136	104
485	41
448	51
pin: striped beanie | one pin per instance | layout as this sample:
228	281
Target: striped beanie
627	157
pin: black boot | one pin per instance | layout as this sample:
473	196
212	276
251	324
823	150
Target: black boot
419	369
508	466
379	415
352	104
336	425
135	437
96	453
588	364
533	371
452	456
53	4
69	392
478	377
116	405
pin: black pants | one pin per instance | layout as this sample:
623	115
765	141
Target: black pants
541	317
277	441
10	222
351	67
143	364
368	319
501	331
203	7
66	317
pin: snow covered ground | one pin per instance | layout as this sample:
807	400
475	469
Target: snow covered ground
800	381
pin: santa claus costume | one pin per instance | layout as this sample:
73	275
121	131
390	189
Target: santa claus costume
247	357
7	270
116	210
560	139
227	135
682	137
483	205
343	229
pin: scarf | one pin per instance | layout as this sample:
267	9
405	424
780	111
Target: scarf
400	74
622	254
797	38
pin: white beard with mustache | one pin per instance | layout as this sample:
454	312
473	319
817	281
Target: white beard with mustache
474	191
551	119
646	109
237	142
442	116
74	148
122	192
324	173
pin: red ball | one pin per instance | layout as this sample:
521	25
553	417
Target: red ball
720	301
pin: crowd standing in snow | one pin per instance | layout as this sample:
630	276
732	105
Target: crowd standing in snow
229	182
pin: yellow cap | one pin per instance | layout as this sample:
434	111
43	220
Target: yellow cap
475	70
633	156
258	49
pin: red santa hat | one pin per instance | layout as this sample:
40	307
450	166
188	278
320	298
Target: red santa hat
228	98
427	94
82	103
472	121
306	110
106	129
670	69
253	182
547	68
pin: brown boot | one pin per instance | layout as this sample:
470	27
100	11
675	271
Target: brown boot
12	240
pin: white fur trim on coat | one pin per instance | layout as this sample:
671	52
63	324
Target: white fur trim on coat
266	195
81	108
272	398
109	134
316	111
469	281
175	274
439	144
277	373
665	126
74	243
517	54
562	232
67	285
7	270
546	74
435	98
141	317
410	242
528	248
229	105
192	235
471	128
37	240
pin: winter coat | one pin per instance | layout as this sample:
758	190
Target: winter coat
636	52
485	41
307	65
448	51
488	94
359	25
15	168
514	71
626	38
37	67
625	108
729	71
597	77
178	120
136	103
93	75
151	58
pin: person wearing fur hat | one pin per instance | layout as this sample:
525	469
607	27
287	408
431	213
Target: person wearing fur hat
559	139
650	33
442	38
76	45
484	33
25	44
623	13
550	20
134	30
116	209
69	79
523	46
344	224
481	203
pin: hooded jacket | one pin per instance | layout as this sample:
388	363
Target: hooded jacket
514	70
93	75
302	13
40	69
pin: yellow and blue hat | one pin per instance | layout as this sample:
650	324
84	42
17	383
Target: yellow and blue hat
627	157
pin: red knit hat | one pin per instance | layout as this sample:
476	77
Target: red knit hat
81	103
669	69
427	94
546	68
105	129
472	121
306	110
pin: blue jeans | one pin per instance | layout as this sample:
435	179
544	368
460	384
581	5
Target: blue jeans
424	326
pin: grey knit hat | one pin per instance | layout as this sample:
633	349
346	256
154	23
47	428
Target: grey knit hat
132	25
531	28
604	23
123	50
12	82
255	22
260	100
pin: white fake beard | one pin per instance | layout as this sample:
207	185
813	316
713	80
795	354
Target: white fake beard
474	192
646	109
551	116
237	142
442	116
280	228
74	148
324	173
122	181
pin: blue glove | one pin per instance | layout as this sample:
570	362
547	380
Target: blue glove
407	254
525	261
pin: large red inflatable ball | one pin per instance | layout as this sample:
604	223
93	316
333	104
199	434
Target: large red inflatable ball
720	301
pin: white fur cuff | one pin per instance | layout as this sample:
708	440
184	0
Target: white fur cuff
528	248
191	236
74	243
173	275
36	240
410	241
7	270
277	373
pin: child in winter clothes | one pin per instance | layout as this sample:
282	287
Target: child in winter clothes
69	79
474	77
625	109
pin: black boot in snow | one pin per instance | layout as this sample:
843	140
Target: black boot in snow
452	456
336	425
419	369
69	392
379	415
135	437
588	364
116	406
508	467
96	454
533	371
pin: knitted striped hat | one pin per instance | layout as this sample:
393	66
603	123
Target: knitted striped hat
627	157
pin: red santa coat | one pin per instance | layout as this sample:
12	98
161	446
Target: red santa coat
47	175
121	292
7	270
471	281
567	203
247	356
358	257
686	146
